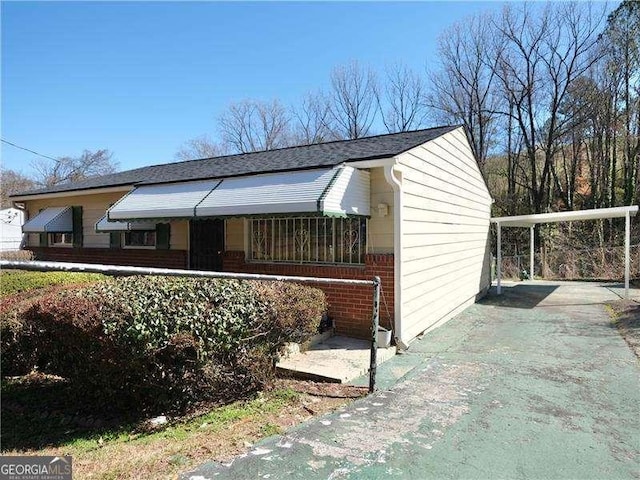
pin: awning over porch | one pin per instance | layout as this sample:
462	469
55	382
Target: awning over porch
104	225
339	191
172	200
51	220
336	192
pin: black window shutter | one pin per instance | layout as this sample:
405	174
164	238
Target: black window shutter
77	226
115	240
163	235
44	239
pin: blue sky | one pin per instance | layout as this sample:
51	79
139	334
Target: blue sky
141	78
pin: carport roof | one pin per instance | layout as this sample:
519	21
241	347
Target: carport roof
571	216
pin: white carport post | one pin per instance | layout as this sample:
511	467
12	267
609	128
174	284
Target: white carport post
627	243
532	247
499	260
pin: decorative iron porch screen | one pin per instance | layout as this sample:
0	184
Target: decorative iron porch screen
309	240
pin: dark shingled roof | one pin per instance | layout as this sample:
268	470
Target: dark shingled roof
291	158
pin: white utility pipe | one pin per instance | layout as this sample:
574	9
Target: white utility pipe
393	176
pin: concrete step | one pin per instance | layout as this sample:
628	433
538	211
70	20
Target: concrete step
337	360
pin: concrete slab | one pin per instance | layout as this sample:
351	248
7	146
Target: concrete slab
535	383
338	360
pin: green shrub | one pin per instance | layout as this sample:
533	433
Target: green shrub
18	338
15	281
163	342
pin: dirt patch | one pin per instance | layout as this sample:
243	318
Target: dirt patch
319	389
625	316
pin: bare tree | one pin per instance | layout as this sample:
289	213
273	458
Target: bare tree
463	90
200	147
353	100
252	125
74	169
402	101
12	182
539	55
312	120
621	37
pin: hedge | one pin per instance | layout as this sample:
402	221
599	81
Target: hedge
160	342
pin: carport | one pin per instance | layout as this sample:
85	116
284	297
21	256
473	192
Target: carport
531	221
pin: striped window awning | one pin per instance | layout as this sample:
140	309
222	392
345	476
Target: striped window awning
341	191
51	220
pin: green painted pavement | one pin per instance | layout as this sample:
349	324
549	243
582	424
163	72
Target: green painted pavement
533	384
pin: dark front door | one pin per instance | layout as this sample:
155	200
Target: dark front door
206	244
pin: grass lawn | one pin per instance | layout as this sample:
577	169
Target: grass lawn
40	417
16	281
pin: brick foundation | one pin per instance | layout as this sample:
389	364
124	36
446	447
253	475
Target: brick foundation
350	306
135	257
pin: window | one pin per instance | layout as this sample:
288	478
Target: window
140	239
308	240
61	239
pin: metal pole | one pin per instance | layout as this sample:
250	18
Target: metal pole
532	251
627	243
374	334
499	261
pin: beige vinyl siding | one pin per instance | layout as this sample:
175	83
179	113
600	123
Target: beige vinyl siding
94	206
179	235
234	234
380	229
446	212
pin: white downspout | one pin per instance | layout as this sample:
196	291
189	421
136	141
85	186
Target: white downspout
393	175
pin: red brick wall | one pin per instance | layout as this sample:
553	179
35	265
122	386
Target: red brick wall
349	306
135	257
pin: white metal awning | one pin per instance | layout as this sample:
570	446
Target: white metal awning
335	192
339	191
172	200
104	225
530	221
53	219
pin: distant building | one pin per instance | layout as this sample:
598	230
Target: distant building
11	220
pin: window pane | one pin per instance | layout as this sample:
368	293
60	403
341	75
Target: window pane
141	238
61	238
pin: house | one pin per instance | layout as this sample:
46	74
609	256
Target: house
409	207
11	220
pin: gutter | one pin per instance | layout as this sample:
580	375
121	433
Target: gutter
70	193
393	175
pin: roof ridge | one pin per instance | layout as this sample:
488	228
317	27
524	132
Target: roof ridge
299	146
295	157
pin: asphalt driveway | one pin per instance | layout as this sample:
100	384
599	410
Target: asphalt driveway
533	384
